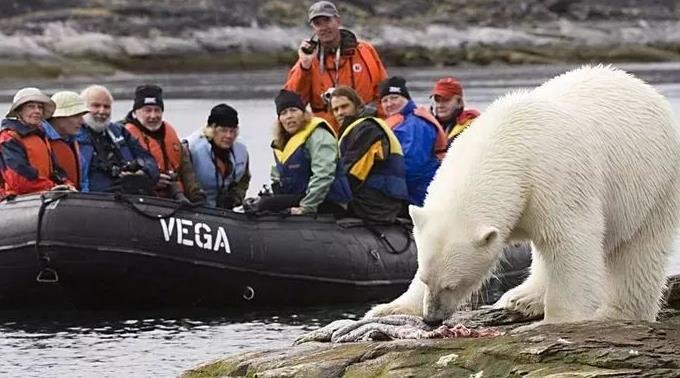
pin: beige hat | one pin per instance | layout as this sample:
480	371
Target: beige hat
68	104
31	94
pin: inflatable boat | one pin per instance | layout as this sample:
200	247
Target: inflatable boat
92	250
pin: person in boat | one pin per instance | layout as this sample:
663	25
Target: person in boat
27	164
333	56
111	160
422	139
306	156
61	130
177	179
221	162
449	108
371	157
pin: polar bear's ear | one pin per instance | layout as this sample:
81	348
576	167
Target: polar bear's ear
417	215
486	235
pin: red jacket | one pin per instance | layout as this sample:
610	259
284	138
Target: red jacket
359	67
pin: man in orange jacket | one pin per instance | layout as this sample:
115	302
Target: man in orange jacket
145	122
333	57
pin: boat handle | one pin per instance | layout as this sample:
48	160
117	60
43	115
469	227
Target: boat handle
248	293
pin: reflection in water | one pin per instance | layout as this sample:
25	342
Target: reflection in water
145	344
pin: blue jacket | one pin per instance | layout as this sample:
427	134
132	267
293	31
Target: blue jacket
96	177
417	137
203	159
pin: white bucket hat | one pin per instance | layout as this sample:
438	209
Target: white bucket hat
68	104
31	94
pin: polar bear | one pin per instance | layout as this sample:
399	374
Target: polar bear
587	168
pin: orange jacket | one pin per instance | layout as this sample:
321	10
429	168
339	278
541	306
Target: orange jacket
359	67
167	153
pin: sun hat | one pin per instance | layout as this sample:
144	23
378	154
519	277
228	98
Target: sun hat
31	94
68	104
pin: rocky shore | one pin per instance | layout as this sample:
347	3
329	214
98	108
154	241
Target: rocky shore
42	38
621	349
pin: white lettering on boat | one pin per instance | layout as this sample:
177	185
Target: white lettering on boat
195	234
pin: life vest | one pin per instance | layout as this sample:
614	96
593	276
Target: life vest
68	158
295	167
386	175
204	162
38	155
38	151
441	141
462	122
167	153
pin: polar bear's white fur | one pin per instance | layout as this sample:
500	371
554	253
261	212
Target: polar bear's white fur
587	168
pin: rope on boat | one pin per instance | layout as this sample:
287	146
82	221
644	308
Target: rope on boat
46	274
135	201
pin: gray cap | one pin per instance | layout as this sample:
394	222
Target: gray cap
322	8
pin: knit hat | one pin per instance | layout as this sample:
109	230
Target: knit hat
394	85
68	104
223	115
447	88
148	94
31	94
287	99
322	8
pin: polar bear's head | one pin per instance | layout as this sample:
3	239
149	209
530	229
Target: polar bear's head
455	257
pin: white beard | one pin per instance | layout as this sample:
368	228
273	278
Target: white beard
94	124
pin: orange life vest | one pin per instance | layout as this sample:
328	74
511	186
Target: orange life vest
168	153
68	158
38	152
441	141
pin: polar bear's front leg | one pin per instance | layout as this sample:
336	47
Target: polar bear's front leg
575	280
527	298
409	303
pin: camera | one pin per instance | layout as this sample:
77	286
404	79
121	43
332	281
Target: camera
130	166
312	46
133	165
326	96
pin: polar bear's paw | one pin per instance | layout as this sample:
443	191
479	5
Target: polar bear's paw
525	299
392	308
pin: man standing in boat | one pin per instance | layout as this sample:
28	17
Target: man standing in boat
371	157
111	159
145	123
332	57
449	108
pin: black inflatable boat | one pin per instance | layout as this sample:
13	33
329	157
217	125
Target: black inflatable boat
83	250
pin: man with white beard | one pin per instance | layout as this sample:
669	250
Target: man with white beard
111	158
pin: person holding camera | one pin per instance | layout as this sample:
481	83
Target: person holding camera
332	57
145	122
220	161
111	160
